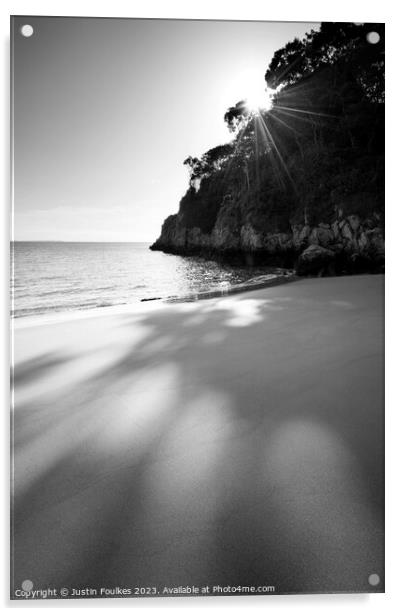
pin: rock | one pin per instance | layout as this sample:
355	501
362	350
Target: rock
335	229
337	247
171	236
304	233
375	242
363	242
346	231
346	245
226	234
195	239
322	236
277	242
316	260
369	223
250	239
300	235
354	222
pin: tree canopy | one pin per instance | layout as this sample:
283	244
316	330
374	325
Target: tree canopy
322	136
342	44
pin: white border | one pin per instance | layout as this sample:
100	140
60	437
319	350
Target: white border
291	10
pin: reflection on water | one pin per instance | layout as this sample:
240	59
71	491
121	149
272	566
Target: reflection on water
60	276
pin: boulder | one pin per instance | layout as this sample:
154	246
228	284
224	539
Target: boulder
316	261
322	236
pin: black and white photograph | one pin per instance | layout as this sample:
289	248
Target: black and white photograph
197	308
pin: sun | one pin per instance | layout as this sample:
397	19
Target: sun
259	99
251	87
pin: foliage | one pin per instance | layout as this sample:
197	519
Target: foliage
210	162
320	147
341	44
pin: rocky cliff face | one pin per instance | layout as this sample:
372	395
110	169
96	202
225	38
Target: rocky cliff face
346	245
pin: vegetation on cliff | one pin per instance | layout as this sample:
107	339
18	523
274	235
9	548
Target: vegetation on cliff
301	168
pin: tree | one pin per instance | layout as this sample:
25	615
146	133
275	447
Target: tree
341	44
322	137
211	161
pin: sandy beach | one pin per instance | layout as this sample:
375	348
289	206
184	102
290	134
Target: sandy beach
234	440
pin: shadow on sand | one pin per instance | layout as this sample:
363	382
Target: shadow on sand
231	441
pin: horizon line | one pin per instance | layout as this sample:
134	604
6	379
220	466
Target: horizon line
82	241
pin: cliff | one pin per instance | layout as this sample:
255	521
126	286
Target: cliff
347	245
301	184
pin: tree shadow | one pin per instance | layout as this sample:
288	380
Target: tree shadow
32	369
192	458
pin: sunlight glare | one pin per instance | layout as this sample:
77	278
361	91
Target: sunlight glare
259	97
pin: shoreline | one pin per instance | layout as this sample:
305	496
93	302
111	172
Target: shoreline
139	306
259	282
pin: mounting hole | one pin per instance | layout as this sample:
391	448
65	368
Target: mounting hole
373	579
373	37
27	585
26	30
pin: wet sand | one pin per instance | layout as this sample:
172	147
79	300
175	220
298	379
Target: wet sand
230	441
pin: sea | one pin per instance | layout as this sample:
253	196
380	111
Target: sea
48	277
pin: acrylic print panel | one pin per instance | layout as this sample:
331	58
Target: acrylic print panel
197	403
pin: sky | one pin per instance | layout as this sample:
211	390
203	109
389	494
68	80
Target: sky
106	110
